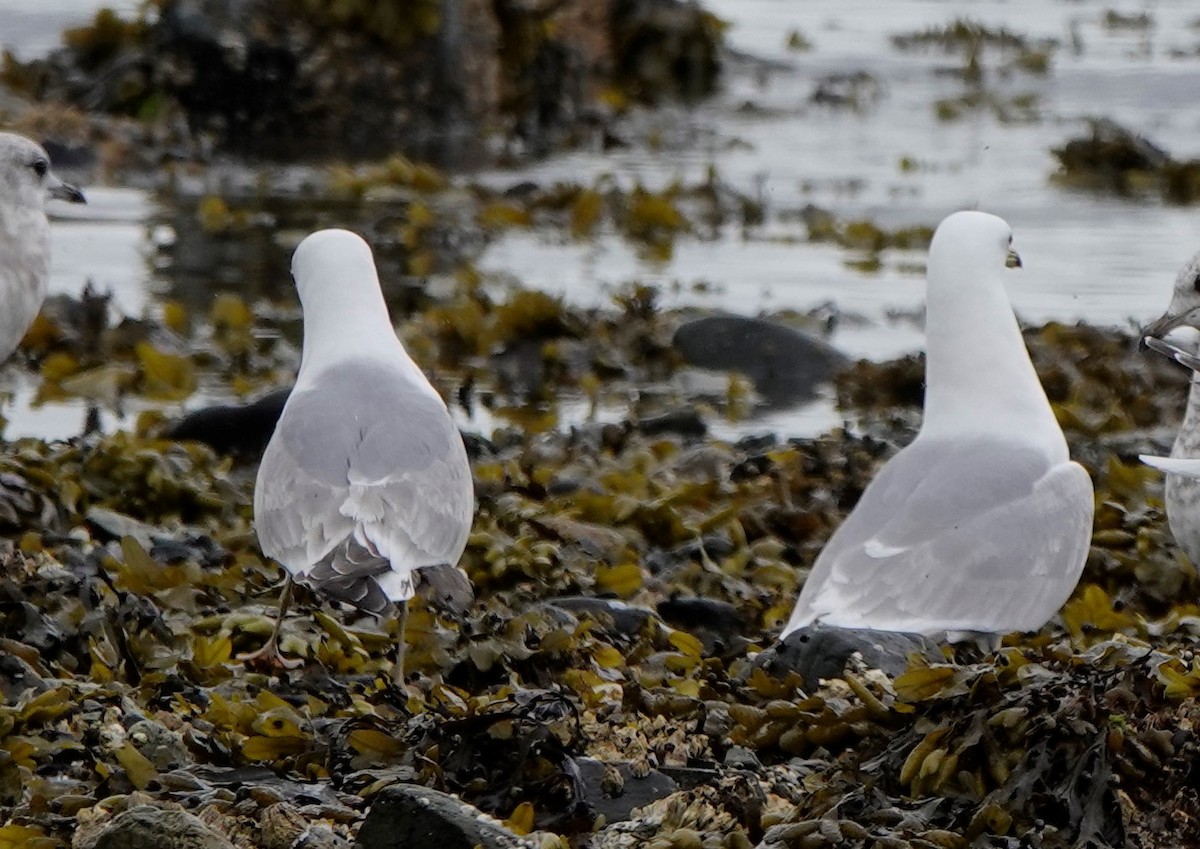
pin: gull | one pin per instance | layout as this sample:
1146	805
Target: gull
981	526
1182	495
1184	309
1182	490
365	479
26	181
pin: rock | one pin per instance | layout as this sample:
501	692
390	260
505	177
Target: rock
739	757
625	619
160	745
17	676
685	422
287	79
596	541
718	624
148	827
281	826
821	651
404	816
241	430
613	791
785	365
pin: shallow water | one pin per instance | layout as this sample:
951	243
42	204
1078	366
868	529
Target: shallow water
1087	257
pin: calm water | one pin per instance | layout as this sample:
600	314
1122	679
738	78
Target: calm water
1101	260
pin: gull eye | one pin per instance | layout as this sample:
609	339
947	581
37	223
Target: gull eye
1196	283
40	167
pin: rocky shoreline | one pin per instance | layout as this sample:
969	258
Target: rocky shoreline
616	682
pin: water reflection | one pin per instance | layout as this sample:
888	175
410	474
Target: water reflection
1102	260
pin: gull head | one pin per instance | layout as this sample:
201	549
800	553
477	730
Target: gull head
26	180
971	240
333	264
1184	310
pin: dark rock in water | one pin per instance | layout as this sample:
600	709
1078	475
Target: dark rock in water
685	422
785	365
148	827
408	815
821	651
613	791
242	430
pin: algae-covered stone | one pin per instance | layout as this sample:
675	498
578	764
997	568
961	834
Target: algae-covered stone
148	827
407	815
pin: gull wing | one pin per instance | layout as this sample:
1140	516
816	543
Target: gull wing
366	477
1187	466
978	534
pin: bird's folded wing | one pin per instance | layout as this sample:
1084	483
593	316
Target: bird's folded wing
949	536
1176	465
361	454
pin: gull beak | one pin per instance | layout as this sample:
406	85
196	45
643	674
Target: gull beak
1013	260
56	188
1161	327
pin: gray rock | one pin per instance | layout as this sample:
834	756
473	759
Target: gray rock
17	676
160	745
785	365
613	791
148	827
626	620
821	651
739	757
405	816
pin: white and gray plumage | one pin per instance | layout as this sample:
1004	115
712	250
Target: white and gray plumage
366	478
1184	309
982	525
26	181
1182	495
1182	490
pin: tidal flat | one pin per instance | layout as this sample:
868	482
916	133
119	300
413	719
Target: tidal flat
645	521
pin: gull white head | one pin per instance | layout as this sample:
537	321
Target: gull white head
978	375
1184	310
968	244
26	180
333	264
344	312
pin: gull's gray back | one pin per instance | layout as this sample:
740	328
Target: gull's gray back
366	474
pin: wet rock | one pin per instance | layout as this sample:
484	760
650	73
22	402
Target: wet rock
718	624
739	757
785	365
290	79
241	430
281	826
612	790
822	651
625	619
1111	152
684	422
161	746
16	677
407	815
1114	158
445	588
148	827
665	49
